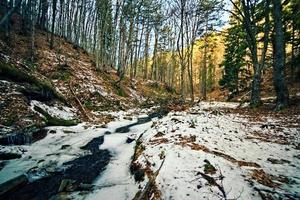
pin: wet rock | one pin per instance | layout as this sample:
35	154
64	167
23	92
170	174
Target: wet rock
85	187
129	140
52	131
107	133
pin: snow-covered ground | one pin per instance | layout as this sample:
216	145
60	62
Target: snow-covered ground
189	139
201	142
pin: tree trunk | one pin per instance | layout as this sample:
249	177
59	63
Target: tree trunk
32	21
278	71
147	37
44	10
153	75
255	100
53	23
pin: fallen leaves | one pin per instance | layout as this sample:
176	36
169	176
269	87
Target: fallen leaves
263	178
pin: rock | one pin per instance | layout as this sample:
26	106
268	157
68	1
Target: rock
13	184
27	135
129	140
159	134
107	133
55	121
297	146
52	131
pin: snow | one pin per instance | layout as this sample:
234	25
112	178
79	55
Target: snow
188	139
48	154
217	132
116	182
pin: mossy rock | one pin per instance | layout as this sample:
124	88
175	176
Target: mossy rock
55	121
209	168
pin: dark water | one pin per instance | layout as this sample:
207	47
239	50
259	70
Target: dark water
142	120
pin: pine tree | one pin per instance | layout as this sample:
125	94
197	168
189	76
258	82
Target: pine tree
234	58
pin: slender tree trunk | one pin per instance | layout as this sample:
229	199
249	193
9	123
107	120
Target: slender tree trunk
293	75
146	51
32	21
204	67
53	23
153	75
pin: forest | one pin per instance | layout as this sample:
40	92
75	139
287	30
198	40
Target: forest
150	99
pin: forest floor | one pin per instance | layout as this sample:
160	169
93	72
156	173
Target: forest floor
212	150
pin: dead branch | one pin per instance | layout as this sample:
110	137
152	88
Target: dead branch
143	195
213	182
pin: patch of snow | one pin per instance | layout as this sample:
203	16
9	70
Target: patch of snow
116	182
216	104
55	111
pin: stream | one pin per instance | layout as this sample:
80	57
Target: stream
106	166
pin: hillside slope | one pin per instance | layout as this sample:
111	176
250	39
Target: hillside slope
61	87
